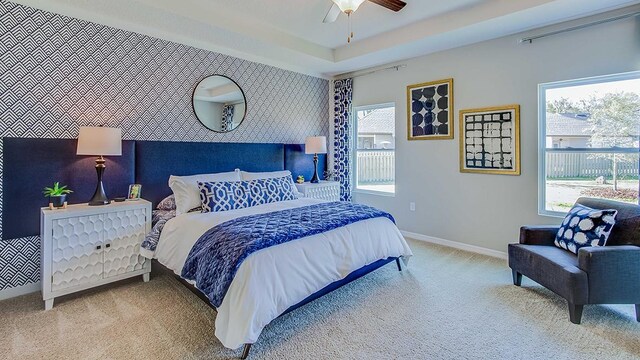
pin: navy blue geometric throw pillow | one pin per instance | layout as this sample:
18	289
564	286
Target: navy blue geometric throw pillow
584	226
224	195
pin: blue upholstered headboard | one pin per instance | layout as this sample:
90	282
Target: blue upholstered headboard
31	164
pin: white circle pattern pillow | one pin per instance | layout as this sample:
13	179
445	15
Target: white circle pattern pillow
584	226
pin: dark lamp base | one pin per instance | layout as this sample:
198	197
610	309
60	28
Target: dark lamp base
99	197
315	178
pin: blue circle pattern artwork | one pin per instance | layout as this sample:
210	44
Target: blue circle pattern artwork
430	110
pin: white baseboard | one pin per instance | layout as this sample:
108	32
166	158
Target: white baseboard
19	290
455	245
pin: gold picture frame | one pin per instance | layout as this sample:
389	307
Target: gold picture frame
490	140
429	96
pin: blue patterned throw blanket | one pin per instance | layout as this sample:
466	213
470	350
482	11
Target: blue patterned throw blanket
217	255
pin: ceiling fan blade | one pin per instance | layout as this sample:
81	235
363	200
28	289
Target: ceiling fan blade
393	5
332	15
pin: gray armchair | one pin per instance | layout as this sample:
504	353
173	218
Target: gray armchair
597	275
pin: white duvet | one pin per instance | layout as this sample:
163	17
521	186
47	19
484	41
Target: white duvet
271	280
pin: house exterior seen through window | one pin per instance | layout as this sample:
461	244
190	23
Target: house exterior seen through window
589	141
374	158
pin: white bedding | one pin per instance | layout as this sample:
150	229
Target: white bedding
271	280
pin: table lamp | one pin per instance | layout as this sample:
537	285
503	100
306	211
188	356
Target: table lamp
315	145
99	141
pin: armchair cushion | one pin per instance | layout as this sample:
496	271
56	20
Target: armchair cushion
553	268
613	272
584	226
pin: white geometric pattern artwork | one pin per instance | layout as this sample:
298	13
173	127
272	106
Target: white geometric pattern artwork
58	73
490	140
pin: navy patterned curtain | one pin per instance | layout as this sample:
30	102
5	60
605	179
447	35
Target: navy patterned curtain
227	117
342	96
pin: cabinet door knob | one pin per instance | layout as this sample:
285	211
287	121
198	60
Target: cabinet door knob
98	247
108	246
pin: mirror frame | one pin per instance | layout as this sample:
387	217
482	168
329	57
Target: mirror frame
244	96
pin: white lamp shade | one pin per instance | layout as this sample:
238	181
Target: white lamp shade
99	141
315	145
348	5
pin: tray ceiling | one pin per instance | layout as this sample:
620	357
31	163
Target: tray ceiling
290	33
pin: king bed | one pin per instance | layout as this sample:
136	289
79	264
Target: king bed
253	258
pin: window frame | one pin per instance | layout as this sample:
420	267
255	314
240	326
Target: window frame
354	151
542	132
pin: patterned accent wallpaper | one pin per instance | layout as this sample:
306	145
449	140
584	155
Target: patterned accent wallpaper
58	73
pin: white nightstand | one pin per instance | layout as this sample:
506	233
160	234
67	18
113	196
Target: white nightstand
86	246
325	190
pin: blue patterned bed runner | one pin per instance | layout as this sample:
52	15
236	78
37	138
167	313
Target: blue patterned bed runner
217	255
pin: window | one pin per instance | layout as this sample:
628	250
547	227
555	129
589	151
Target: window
375	129
588	141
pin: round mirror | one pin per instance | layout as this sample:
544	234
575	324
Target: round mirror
219	103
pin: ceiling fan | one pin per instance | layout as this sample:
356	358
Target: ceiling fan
350	6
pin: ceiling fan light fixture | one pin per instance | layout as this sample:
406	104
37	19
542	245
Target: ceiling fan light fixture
348	6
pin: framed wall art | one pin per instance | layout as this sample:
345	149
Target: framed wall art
490	140
430	110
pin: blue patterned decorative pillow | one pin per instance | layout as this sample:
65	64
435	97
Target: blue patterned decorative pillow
224	195
264	191
584	226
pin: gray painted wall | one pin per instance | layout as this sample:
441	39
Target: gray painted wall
475	209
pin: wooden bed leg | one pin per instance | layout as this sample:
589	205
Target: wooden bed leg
398	263
245	351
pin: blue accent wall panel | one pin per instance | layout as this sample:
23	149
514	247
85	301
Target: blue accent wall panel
156	161
31	164
299	163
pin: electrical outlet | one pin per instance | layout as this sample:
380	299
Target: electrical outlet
412	206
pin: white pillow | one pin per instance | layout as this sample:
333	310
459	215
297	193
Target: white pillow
264	175
245	175
185	188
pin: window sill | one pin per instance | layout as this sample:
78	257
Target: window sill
373	192
552	214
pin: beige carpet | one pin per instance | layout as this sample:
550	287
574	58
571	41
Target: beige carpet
448	304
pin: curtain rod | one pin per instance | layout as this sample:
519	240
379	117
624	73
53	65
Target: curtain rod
579	27
394	67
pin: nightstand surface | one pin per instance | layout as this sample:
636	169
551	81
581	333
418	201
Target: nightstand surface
325	190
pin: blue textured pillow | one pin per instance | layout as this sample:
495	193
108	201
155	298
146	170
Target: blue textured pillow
224	195
264	191
584	226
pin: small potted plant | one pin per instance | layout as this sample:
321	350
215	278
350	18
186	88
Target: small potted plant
57	195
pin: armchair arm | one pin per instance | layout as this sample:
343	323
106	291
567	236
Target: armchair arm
612	272
538	235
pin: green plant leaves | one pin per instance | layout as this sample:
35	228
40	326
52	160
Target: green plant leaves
56	190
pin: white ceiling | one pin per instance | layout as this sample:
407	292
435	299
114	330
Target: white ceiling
290	33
